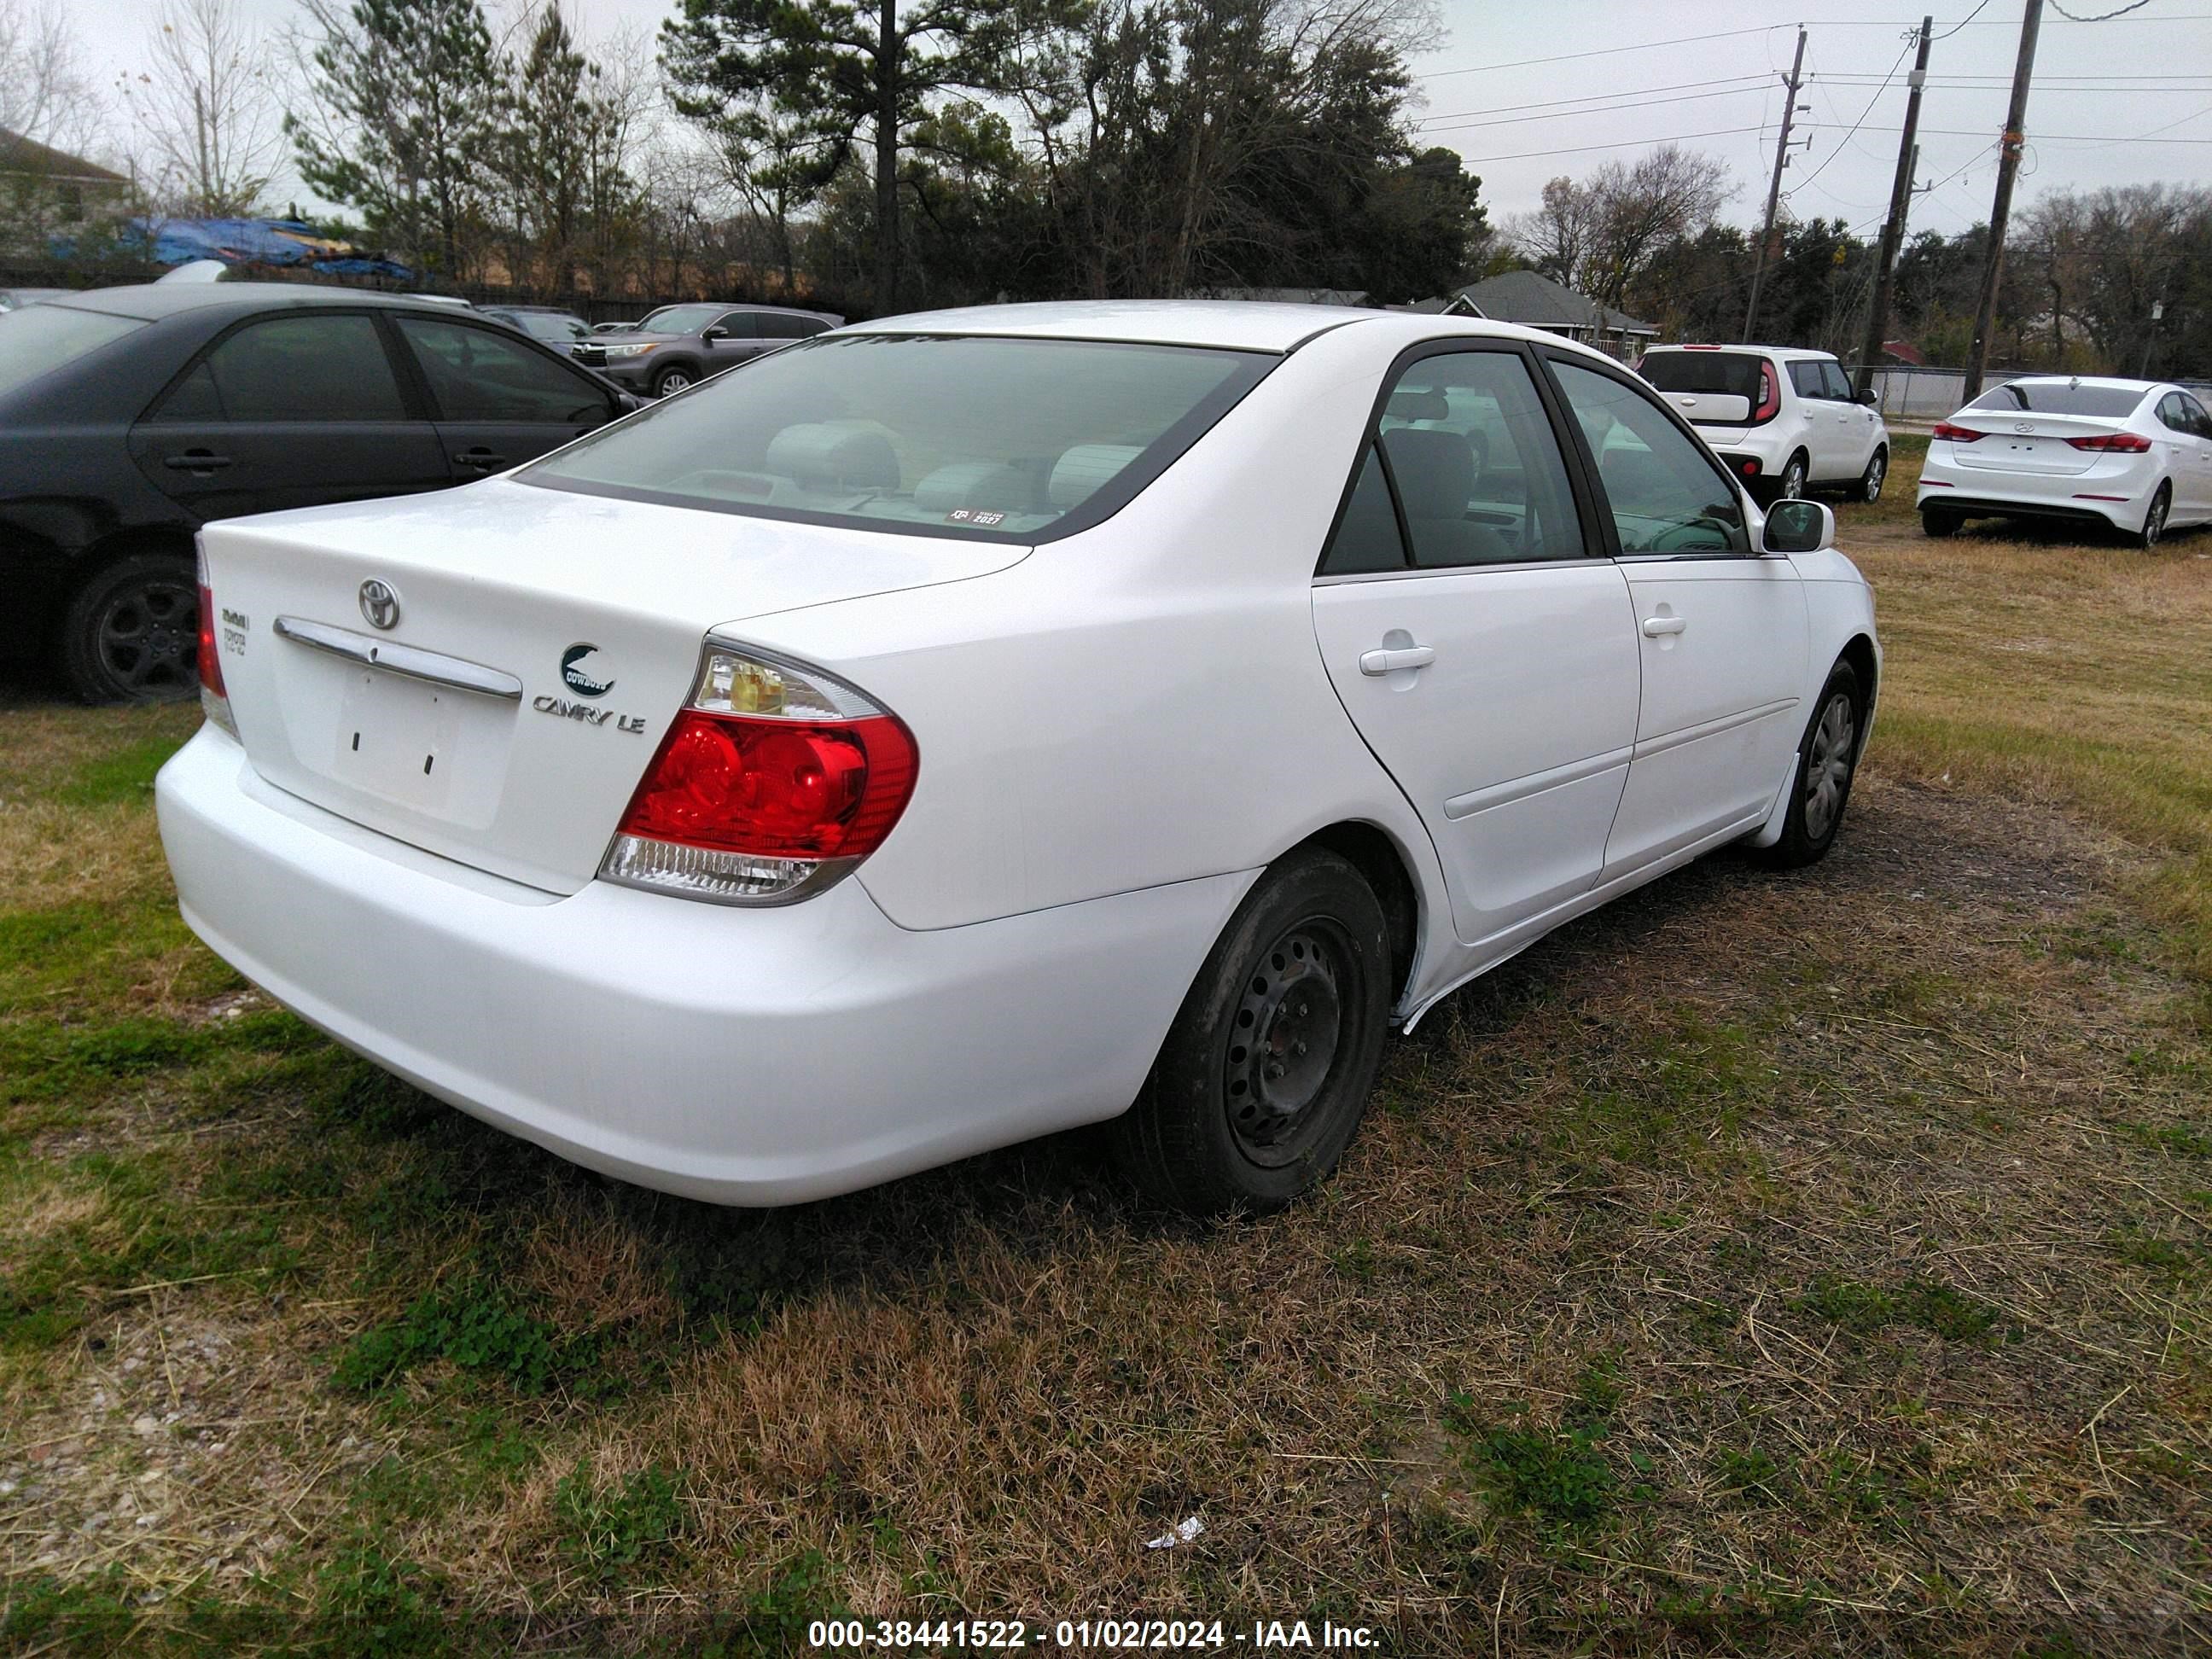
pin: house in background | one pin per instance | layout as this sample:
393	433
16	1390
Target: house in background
1537	301
43	190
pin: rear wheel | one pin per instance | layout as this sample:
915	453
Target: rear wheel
1791	486
1266	1071
1876	474
1938	525
131	635
1828	760
2153	524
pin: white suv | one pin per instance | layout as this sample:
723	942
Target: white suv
1784	421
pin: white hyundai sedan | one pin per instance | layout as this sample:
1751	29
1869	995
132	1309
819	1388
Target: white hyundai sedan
955	729
2132	455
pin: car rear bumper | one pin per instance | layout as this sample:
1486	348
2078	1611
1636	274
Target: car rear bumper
2115	491
741	1056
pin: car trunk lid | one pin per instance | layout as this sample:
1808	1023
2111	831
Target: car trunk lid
496	697
2028	441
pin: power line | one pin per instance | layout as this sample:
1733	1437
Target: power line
1600	52
1622	143
2056	137
1962	23
1863	113
2106	18
1430	123
1592	97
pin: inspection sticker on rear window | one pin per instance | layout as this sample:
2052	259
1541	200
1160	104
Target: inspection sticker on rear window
975	515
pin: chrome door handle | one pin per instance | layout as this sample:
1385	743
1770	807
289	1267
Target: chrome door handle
1655	627
1379	662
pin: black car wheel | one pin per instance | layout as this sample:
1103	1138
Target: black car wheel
1266	1071
670	382
131	635
1827	761
1792	485
1938	524
2153	524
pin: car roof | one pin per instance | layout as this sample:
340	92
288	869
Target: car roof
1240	325
152	301
1787	353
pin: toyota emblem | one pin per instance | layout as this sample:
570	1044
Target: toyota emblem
379	604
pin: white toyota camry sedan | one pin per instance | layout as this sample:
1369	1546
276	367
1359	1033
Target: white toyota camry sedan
955	729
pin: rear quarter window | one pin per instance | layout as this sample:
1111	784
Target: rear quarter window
39	339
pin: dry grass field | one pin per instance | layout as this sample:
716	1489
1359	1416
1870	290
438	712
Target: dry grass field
1790	1265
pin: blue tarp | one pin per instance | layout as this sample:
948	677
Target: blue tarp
260	241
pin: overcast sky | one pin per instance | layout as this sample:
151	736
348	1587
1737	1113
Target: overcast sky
2124	101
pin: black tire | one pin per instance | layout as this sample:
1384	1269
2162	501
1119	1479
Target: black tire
1869	488
674	379
1266	1071
1940	526
1827	762
131	632
2154	516
1790	485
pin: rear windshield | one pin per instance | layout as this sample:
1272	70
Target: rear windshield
2061	398
39	339
1717	373
557	329
999	440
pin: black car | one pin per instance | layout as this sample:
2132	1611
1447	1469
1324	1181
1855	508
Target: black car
130	416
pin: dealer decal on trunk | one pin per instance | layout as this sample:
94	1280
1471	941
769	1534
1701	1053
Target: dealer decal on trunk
578	663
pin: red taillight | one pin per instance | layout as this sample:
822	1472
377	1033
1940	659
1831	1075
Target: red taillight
1957	434
775	781
775	788
211	658
1770	395
2112	443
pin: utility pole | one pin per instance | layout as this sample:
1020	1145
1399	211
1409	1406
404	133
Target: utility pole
2157	311
1892	229
1774	189
2015	135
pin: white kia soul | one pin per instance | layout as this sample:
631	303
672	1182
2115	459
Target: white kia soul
966	727
1781	420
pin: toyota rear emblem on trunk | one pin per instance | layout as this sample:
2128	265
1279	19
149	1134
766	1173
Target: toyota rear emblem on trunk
379	604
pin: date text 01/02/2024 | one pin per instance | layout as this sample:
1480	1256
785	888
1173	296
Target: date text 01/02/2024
1095	1635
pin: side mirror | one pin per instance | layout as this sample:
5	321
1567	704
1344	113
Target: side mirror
626	403
1796	526
714	334
1870	397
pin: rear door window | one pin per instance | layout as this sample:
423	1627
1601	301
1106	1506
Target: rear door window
1665	492
315	367
1475	466
476	375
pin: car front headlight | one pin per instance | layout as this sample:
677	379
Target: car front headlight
637	350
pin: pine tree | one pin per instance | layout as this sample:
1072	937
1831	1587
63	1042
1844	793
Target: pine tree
402	123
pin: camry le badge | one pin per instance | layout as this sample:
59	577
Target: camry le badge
379	604
577	664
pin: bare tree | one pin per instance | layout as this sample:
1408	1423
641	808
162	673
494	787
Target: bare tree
45	97
207	110
1600	234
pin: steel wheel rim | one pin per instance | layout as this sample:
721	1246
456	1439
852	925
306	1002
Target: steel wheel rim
1877	474
148	637
1828	768
1285	1041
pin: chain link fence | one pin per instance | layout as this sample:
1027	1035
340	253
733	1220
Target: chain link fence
1911	391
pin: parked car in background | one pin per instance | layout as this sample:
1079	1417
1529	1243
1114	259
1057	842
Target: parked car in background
625	327
1784	421
958	728
558	329
14	299
2135	456
132	417
677	346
